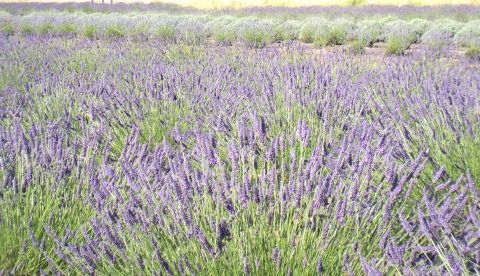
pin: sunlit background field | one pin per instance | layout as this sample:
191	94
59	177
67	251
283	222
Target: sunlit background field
212	4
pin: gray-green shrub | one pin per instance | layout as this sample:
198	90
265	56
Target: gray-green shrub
334	33
419	26
371	30
469	34
441	33
311	28
396	45
254	32
288	30
399	29
221	29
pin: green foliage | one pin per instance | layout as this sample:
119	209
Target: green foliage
396	45
253	32
45	28
254	236
166	32
4	13
66	28
371	30
310	30
461	17
7	28
469	34
287	31
192	29
184	52
224	35
441	33
114	31
26	29
222	30
26	213
90	31
333	33
400	29
70	10
255	37
87	9
333	36
473	52
358	46
418	27
356	2
456	150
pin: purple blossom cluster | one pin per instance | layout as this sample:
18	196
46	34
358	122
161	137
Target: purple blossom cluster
200	160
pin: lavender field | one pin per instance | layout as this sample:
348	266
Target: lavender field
170	151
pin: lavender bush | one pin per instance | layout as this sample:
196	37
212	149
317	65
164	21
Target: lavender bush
288	30
229	27
371	31
441	34
399	35
143	156
469	35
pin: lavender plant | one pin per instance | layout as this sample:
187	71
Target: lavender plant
257	29
469	35
441	34
123	156
288	30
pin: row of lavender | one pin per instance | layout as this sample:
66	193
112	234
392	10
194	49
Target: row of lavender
257	31
140	157
457	12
